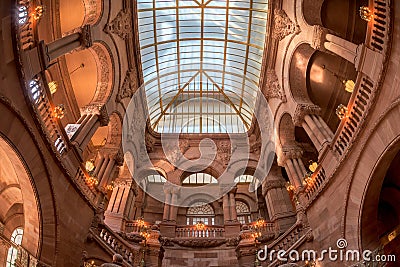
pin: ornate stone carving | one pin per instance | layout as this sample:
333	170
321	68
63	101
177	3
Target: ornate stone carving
129	86
104	74
199	242
224	151
174	153
232	242
271	184
283	26
71	129
86	36
149	142
318	39
272	88
99	110
302	110
121	25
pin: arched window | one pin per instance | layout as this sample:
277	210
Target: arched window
155	178
200	212
16	238
244	179
243	212
200	178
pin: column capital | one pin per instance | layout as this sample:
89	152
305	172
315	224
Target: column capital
272	184
302	110
99	110
289	152
319	37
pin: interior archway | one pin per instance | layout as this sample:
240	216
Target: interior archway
19	207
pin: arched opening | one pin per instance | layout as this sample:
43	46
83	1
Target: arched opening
380	222
343	18
199	212
19	207
243	212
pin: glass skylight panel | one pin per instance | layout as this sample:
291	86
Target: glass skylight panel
192	48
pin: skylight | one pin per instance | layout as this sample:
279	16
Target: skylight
201	63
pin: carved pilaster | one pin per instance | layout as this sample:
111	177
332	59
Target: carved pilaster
272	88
283	26
302	110
129	86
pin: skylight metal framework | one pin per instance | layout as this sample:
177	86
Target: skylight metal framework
201	62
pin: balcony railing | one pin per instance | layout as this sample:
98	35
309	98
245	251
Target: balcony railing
39	95
24	258
191	231
361	101
114	243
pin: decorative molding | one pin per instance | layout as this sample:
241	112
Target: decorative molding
104	73
86	36
99	110
193	242
282	25
121	25
319	37
272	88
302	110
129	86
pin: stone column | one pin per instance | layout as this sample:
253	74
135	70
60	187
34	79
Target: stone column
341	47
306	116
168	196
290	158
279	205
106	176
93	117
121	202
232	202
173	213
227	211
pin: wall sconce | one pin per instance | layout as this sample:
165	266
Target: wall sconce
366	13
89	264
110	187
341	111
38	13
59	111
307	180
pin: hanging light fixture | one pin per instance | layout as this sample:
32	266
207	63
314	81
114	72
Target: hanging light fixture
92	181
38	13
53	87
348	84
341	111
313	166
200	225
89	165
290	187
366	13
59	111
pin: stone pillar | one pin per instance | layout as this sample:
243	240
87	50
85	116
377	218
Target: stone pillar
227	211
168	197
290	158
173	213
106	177
93	117
279	205
154	253
306	116
246	249
341	47
121	202
232	204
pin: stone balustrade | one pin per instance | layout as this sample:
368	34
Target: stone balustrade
266	229
209	231
115	243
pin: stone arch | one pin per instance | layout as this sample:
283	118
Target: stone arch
312	11
114	134
367	176
19	202
77	13
298	73
105	73
286	130
25	150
